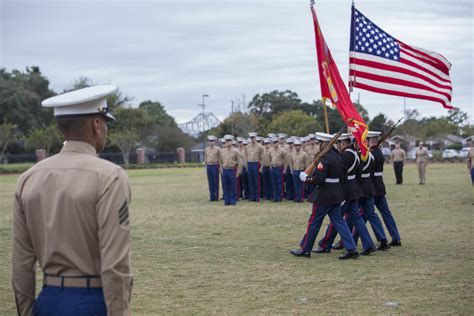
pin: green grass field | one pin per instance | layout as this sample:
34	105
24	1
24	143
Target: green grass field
191	256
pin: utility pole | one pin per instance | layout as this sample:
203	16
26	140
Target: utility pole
203	105
232	119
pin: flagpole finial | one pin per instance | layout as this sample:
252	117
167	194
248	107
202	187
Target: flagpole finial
311	2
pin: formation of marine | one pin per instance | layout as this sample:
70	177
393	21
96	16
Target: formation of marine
342	186
256	168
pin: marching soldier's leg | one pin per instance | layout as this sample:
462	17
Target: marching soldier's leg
389	220
314	225
341	226
359	225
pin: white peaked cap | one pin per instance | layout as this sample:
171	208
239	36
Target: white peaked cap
345	136
252	134
297	142
324	137
373	134
211	138
91	100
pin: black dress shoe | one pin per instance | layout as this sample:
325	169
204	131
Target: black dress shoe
321	250
395	243
369	251
300	253
383	246
352	254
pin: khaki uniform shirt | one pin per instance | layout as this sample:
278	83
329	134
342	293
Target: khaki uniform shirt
231	158
243	154
266	157
398	155
312	151
299	160
254	152
277	157
212	155
421	154
71	215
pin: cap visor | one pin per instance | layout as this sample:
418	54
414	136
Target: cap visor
110	117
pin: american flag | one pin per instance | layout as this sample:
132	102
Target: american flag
381	63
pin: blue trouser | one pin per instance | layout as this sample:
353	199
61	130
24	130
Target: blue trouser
472	175
351	208
228	176
289	188
367	209
267	183
298	186
55	300
382	205
254	180
316	220
213	181
244	184
277	183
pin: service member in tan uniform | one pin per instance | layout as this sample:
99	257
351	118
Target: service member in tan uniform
231	166
278	167
398	158
254	153
421	162
299	161
71	216
211	159
265	170
470	162
243	179
289	191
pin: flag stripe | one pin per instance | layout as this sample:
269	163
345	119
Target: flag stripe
379	63
397	78
417	63
398	90
398	82
428	63
430	55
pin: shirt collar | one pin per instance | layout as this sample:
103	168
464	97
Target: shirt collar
79	147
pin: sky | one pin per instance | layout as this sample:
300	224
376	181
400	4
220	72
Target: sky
176	51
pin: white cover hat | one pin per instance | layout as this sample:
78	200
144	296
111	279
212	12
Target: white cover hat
324	137
371	134
86	101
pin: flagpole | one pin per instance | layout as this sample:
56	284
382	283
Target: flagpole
326	122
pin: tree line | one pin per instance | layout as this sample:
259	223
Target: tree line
25	125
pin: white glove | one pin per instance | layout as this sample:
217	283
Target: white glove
303	176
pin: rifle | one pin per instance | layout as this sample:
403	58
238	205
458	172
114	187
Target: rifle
333	140
388	133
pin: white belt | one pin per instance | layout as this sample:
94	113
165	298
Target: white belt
332	180
378	174
352	177
365	175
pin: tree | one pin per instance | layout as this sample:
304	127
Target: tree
294	123
45	138
21	94
131	127
269	104
379	123
157	113
7	137
237	123
171	137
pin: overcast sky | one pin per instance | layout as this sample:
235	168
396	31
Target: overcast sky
175	51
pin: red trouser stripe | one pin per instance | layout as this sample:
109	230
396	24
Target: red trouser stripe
307	228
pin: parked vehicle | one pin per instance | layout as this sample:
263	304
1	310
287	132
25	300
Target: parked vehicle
464	152
449	154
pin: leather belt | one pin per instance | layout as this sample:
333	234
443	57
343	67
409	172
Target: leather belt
378	174
351	177
232	168
72	281
332	180
212	163
365	175
277	165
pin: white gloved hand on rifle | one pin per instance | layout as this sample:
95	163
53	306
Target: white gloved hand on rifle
303	176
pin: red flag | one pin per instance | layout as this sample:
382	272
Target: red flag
334	89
